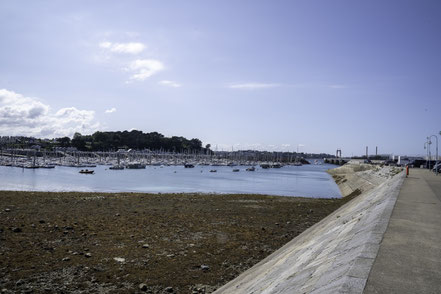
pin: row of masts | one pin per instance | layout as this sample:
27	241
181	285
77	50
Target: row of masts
32	158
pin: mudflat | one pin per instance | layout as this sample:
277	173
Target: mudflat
133	242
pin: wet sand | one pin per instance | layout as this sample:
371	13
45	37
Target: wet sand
151	243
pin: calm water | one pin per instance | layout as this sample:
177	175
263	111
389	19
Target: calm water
306	180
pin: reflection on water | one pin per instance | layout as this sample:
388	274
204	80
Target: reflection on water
306	180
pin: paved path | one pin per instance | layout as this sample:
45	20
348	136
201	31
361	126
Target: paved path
409	259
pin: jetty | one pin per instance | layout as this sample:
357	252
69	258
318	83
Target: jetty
385	240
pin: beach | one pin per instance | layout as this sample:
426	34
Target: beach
82	242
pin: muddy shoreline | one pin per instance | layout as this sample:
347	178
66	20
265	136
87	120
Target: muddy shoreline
132	242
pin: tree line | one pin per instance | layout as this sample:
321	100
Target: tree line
112	141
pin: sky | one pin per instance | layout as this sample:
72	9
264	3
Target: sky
312	76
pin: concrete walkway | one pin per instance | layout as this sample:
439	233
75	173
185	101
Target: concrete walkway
409	258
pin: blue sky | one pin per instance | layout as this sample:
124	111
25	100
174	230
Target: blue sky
266	75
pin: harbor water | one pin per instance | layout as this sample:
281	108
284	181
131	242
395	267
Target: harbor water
304	181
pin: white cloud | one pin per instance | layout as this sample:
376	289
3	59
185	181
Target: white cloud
27	116
144	68
253	86
106	45
71	114
111	110
170	84
128	48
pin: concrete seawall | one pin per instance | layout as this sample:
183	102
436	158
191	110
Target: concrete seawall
336	254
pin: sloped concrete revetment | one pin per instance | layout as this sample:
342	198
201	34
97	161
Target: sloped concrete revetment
336	254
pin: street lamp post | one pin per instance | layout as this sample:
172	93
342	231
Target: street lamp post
427	153
430	153
436	159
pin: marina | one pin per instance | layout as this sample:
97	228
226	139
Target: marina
30	158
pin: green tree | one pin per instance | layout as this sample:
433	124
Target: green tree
64	141
79	142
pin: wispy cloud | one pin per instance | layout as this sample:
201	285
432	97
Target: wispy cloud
253	86
111	110
170	84
121	55
27	116
256	146
127	48
337	86
144	68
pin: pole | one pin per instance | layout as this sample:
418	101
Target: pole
436	159
427	155
428	145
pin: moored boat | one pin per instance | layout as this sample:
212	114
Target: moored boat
116	167
135	166
47	166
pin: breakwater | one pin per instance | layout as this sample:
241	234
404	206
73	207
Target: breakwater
335	255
